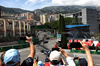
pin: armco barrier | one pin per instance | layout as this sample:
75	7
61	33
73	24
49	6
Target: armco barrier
81	51
15	47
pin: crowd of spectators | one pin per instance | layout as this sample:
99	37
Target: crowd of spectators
11	57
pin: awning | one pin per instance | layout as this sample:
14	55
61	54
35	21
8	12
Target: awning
71	26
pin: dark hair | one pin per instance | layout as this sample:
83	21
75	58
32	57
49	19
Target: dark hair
46	60
55	62
11	62
2	56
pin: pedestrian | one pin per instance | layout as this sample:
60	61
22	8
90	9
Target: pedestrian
47	63
12	56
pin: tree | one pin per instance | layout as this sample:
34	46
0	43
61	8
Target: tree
63	35
68	20
61	30
52	25
59	25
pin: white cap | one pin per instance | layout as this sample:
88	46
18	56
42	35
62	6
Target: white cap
55	55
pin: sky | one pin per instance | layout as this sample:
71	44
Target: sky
38	4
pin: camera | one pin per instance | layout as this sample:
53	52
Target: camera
75	58
55	49
75	45
24	37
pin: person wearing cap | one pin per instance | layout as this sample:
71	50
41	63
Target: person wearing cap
56	56
12	56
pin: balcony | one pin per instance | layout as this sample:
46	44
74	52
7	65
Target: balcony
9	28
79	16
1	28
16	28
22	28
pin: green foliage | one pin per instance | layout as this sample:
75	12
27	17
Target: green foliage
59	24
62	24
9	39
61	29
68	21
52	25
63	41
63	36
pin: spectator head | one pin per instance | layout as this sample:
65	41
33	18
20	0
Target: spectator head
46	60
40	63
55	57
12	57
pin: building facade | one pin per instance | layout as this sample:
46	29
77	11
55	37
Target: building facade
12	26
43	18
52	17
89	16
